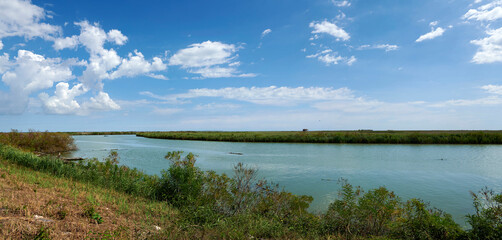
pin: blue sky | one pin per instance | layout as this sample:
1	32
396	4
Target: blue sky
250	65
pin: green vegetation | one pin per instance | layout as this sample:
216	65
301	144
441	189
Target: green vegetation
103	133
211	205
366	136
39	142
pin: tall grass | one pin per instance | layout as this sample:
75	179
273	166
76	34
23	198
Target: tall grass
377	137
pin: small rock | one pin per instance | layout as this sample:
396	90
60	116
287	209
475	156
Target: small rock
158	228
42	219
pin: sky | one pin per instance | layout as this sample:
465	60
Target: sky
157	65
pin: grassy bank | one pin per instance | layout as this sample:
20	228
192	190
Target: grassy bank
376	137
101	199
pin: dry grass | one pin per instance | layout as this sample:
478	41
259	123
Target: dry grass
30	200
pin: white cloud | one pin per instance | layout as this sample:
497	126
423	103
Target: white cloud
157	76
21	18
266	32
490	48
136	65
342	3
101	102
29	73
329	28
116	36
216	106
166	111
332	58
265	95
219	72
67	42
63	101
386	47
106	63
492	100
351	60
209	60
434	33
488	12
204	54
493	89
5	63
33	72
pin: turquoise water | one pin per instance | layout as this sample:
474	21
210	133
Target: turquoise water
440	174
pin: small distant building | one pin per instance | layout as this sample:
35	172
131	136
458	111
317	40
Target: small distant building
305	130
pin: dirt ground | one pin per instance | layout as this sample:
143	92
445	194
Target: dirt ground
34	205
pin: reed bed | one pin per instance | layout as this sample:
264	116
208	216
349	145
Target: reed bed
341	137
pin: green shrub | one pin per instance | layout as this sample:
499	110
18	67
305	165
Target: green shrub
39	142
380	212
91	213
181	185
487	221
418	221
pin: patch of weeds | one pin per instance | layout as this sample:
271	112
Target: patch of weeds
43	234
108	234
61	214
3	175
91	213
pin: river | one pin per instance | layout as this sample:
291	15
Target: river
440	174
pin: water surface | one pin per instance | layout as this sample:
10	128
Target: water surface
440	174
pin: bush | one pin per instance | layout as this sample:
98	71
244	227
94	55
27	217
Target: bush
380	212
181	185
39	142
487	221
418	221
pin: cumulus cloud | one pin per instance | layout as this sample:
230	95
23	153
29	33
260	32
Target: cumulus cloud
488	12
21	18
67	42
106	63
101	102
63	101
30	73
136	65
330	29
490	48
266	32
332	58
208	59
434	33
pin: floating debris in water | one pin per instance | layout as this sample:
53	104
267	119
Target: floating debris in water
327	179
236	153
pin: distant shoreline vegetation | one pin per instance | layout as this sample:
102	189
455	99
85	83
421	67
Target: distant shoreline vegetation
342	137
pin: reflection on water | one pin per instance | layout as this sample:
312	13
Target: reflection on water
440	174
